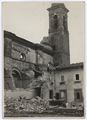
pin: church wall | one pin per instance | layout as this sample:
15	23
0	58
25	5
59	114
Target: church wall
47	58
44	58
18	49
15	61
7	63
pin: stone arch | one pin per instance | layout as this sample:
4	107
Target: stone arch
16	76
17	70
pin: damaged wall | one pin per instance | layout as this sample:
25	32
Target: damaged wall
45	58
19	50
20	63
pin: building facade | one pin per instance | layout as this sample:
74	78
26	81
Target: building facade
69	83
44	68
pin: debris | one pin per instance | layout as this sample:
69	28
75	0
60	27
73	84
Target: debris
22	104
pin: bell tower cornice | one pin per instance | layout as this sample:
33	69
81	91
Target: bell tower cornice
57	6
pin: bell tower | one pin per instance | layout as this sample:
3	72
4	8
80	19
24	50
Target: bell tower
58	33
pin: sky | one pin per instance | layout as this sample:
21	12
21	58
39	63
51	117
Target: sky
30	21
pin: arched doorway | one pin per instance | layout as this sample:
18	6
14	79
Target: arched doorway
17	79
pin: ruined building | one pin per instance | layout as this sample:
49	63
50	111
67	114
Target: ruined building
43	69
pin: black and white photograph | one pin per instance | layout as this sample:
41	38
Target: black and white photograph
43	59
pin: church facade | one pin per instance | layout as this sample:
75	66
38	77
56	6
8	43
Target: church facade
44	69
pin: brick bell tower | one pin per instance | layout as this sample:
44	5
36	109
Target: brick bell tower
58	33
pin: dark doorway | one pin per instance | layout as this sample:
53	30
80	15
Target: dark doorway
38	91
51	94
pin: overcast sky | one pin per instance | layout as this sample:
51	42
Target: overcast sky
30	20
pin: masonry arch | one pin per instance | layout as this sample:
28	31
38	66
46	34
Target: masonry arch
16	75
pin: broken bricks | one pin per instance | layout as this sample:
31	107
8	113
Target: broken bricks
22	104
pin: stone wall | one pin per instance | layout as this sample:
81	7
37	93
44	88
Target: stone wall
44	58
21	59
18	49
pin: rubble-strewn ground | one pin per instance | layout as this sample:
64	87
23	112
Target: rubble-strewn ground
25	105
35	107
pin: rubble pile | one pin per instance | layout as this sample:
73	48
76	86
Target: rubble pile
28	105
